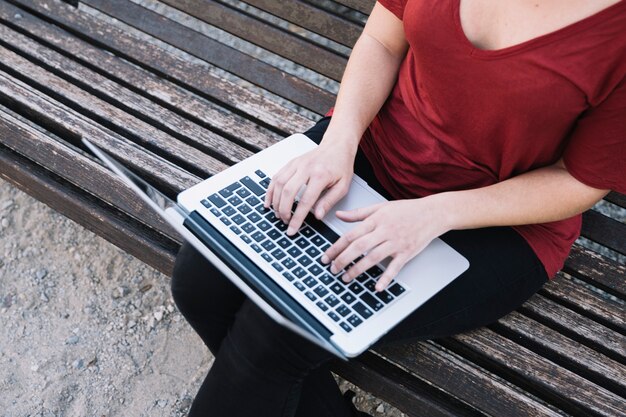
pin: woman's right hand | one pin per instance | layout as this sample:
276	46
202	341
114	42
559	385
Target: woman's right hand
326	171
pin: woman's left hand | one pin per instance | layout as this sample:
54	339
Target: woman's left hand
398	229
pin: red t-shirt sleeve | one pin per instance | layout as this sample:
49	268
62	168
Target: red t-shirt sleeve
596	152
394	6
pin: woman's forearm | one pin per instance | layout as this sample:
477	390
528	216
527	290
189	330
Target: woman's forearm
539	196
369	77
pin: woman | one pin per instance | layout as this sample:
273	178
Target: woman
491	124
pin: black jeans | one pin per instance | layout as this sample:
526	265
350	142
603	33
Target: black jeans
264	369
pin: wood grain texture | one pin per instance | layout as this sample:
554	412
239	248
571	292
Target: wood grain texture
604	230
165	64
363	6
232	60
265	35
604	273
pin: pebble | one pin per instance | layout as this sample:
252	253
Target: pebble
380	408
120	292
72	340
78	364
6	204
4	222
162	403
43	297
158	315
41	274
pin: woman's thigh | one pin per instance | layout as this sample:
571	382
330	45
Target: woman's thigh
503	273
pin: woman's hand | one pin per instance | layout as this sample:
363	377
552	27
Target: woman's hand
326	169
398	229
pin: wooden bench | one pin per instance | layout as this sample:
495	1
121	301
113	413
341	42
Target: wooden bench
177	106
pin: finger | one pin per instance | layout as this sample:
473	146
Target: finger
328	200
310	196
357	214
355	249
288	196
277	183
390	273
373	257
344	241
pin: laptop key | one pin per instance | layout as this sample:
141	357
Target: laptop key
348	298
307	231
320	290
238	219
258	236
246	239
235	201
355	288
360	308
277	266
294	252
299	272
206	203
289	263
235	229
345	326
310	282
321	306
281	226
278	254
271	217
302	243
331	300
225	220
216	212
288	276
299	285
317	240
265	183
268	245
254	217
371	285
253	201
327	279
312	252
337	288
385	297
396	289
248	228
315	270
283	242
266	257
252	186
228	210
263	225
354	320
243	193
217	200
310	295
260	173
262	210
342	310
244	209
372	302
334	316
362	278
375	271
256	247
225	193
305	260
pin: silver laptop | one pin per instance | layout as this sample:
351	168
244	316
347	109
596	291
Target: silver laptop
224	219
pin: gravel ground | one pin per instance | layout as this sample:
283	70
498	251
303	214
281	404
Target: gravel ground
88	330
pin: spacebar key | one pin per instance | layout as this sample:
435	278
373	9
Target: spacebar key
252	186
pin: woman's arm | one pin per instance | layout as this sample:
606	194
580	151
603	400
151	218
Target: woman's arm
369	77
401	229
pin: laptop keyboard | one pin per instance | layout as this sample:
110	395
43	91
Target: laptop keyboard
298	258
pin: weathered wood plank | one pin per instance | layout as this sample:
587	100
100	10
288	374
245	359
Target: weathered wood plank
566	352
604	230
589	303
311	18
616	198
594	268
141	81
142	242
277	40
538	375
124	110
165	64
363	6
223	56
464	380
576	327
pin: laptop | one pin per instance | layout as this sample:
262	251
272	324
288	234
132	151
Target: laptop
224	219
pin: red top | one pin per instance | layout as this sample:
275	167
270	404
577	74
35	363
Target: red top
462	118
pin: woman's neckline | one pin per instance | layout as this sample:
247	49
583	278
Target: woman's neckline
536	41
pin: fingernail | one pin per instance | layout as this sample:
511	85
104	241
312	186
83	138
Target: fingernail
320	213
333	268
345	278
291	231
325	259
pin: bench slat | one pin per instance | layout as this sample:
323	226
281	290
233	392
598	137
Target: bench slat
311	18
566	352
142	242
540	376
616	198
124	110
363	6
598	270
604	230
576	327
164	63
216	53
465	380
400	388
589	303
263	34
